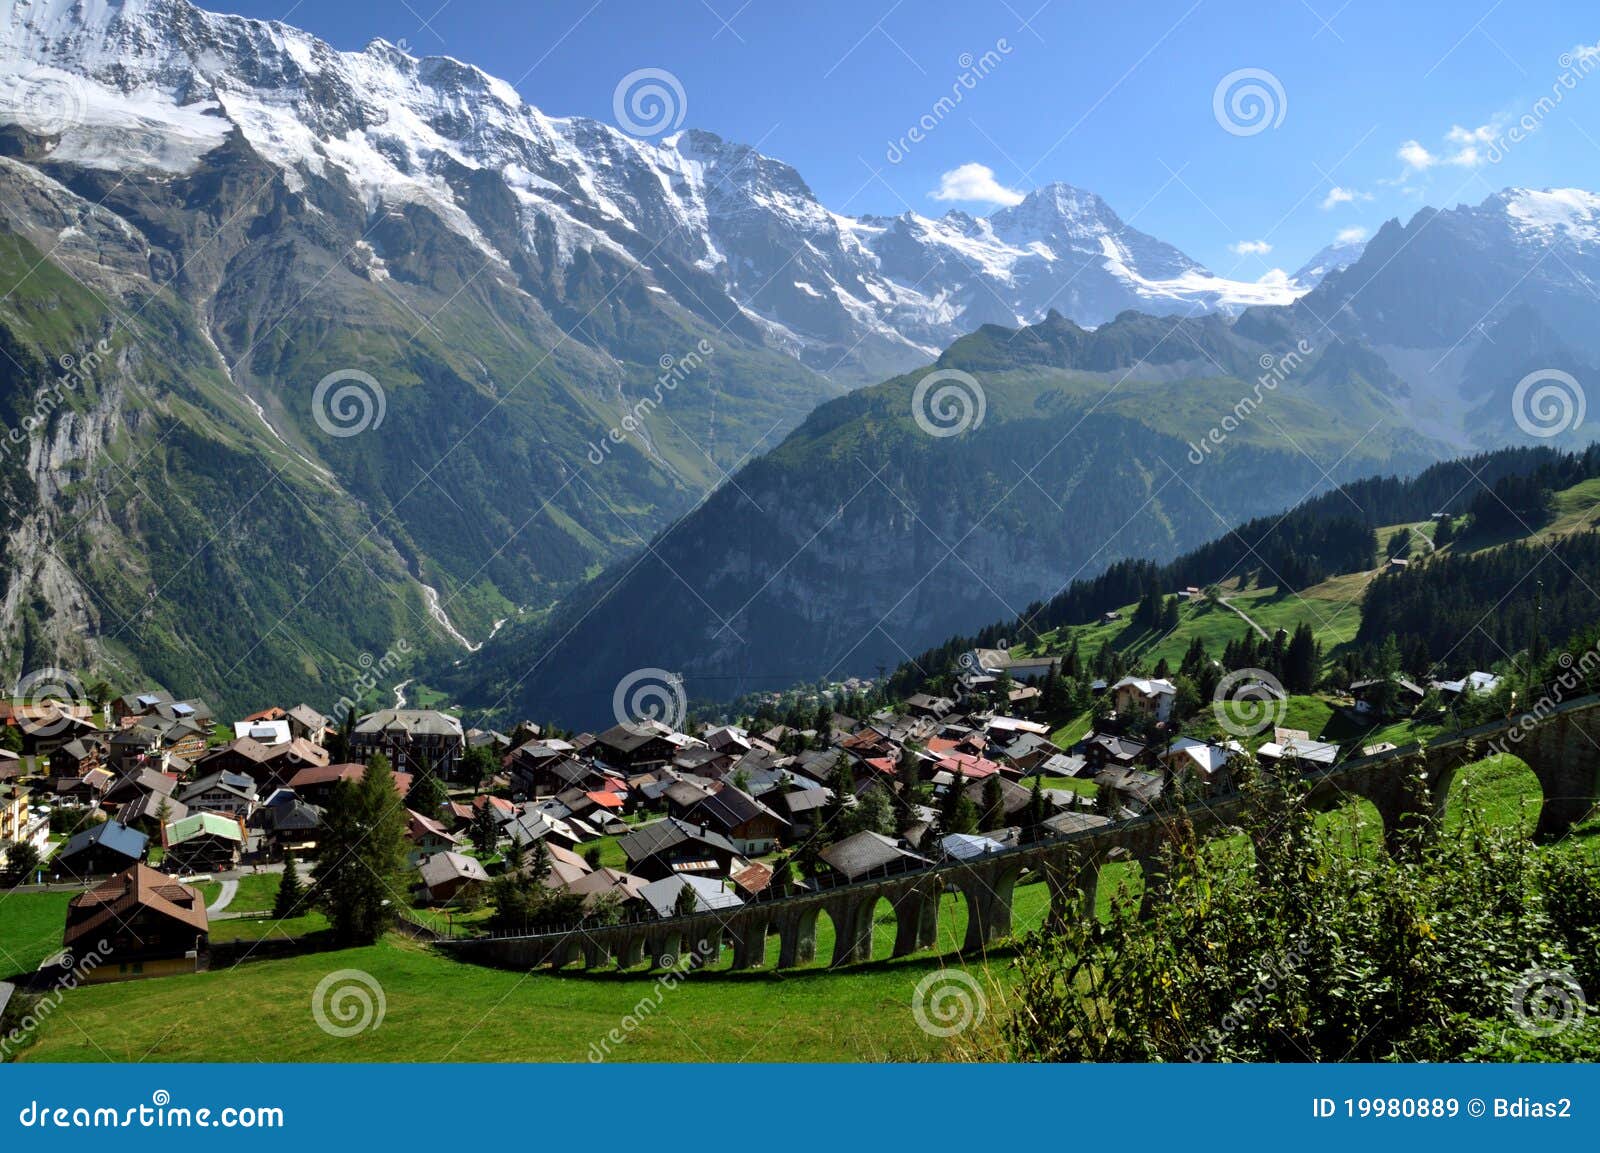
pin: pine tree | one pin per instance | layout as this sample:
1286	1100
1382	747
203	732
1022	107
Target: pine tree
291	892
361	857
687	901
1037	809
994	814
428	794
485	831
591	856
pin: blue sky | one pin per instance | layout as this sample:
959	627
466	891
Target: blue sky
1394	105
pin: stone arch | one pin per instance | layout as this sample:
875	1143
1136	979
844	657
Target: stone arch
797	936
988	891
1473	785
881	919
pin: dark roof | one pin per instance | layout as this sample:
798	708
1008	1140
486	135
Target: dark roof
114	835
627	738
137	887
729	808
657	837
866	852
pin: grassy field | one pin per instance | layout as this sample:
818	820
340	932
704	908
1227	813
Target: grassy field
30	929
438	1009
256	892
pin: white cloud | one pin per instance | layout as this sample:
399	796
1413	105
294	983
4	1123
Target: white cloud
1416	157
1250	248
1463	153
1480	135
1337	196
975	182
1351	235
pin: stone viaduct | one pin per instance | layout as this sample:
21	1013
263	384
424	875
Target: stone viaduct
1561	745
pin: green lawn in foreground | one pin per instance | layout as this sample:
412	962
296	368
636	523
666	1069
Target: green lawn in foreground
30	929
439	1009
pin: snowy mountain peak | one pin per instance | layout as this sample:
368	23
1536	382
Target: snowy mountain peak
1546	213
157	86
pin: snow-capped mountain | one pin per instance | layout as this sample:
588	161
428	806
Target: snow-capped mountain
1338	255
155	85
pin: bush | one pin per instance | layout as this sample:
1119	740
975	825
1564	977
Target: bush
1310	954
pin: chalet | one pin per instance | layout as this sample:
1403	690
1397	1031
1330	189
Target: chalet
1069	822
307	724
158	738
868	854
924	705
315	783
411	739
968	765
1141	697
727	739
222	792
683	796
1295	745
427	837
753	828
636	746
448	876
534	825
1135	790
805	808
710	894
1202	762
150	812
138	704
106	848
1104	750
141	923
269	765
605	883
203	843
563	867
670	846
289	824
751	881
79	755
541	769
1013	802
137	783
968	846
